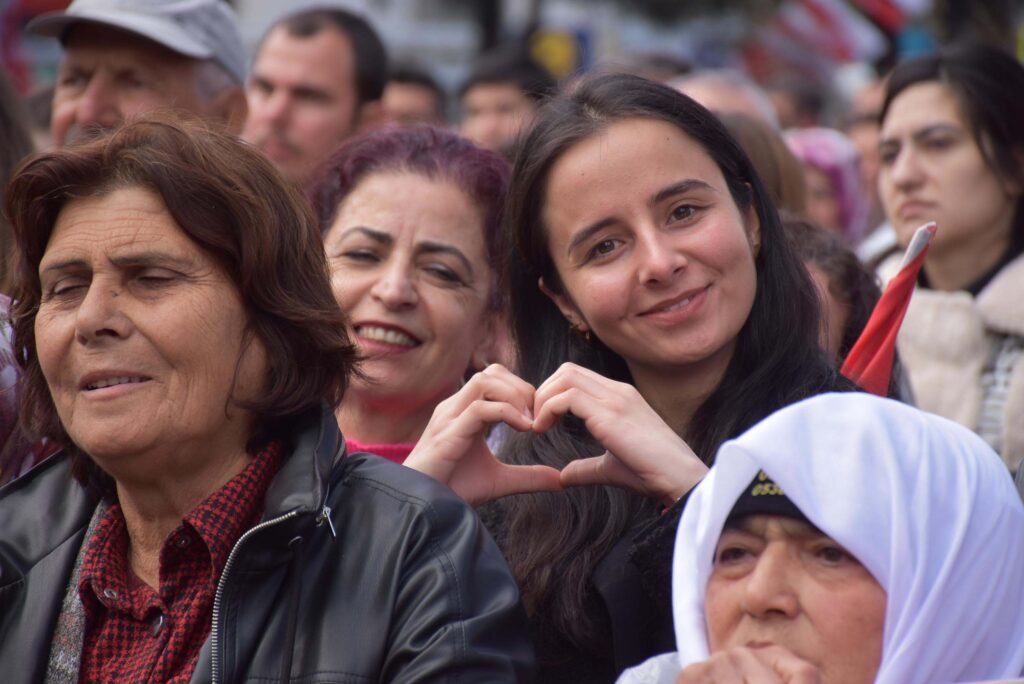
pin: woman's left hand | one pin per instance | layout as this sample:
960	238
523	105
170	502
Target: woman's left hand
643	453
453	448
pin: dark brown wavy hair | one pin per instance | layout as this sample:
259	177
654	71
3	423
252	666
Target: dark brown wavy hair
229	200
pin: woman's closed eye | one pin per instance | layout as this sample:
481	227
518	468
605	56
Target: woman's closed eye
66	286
360	254
938	143
444	274
156	277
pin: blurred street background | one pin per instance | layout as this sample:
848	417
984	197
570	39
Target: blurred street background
832	45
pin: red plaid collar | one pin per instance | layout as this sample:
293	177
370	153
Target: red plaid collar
119	608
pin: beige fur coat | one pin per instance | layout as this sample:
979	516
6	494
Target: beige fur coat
945	341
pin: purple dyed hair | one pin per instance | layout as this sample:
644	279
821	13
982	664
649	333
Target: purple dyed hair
432	152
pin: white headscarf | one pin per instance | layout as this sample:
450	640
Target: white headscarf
923	503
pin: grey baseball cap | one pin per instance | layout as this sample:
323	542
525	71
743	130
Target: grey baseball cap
202	29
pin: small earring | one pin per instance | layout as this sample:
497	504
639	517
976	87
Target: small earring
584	334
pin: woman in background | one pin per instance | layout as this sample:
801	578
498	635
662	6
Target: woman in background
836	199
952	152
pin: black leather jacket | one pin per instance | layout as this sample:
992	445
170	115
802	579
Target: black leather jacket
361	571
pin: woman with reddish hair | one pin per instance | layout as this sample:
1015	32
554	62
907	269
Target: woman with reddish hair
411	219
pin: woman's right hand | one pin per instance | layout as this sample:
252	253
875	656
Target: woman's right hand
769	665
453	448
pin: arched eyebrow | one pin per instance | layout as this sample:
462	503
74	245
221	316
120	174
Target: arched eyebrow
688	185
921	134
378	236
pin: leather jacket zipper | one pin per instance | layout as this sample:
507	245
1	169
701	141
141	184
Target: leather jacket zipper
214	635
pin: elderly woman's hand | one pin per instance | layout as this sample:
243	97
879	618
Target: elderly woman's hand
770	665
453	448
644	454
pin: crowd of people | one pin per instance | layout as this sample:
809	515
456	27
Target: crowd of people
301	382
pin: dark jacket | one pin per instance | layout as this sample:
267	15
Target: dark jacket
361	571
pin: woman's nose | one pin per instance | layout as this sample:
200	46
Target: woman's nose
395	289
659	257
770	588
906	169
100	314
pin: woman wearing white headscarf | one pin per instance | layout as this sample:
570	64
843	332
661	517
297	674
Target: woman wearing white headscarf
910	502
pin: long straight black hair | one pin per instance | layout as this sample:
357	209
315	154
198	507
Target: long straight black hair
554	541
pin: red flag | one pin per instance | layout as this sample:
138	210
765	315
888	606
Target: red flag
869	363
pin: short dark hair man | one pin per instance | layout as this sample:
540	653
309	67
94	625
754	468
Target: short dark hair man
126	57
413	96
317	78
501	96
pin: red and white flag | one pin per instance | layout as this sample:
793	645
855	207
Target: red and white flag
869	363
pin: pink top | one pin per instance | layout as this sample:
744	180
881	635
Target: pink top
393	452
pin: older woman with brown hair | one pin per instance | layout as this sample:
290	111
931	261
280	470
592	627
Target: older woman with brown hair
179	339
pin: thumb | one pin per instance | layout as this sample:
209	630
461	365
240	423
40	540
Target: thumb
586	471
514	479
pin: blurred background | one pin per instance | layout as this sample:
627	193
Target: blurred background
833	46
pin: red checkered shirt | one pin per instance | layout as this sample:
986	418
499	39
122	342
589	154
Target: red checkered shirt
134	633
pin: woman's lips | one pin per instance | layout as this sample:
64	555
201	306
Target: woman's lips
677	308
112	385
98	380
915	209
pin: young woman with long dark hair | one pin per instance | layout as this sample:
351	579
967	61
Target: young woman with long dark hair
952	151
658	311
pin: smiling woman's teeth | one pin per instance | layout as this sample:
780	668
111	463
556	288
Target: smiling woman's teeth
385	335
678	305
110	382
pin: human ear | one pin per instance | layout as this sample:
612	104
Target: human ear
566	306
753	227
494	345
1013	185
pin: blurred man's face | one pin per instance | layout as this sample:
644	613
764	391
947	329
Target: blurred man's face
302	100
107	76
494	113
410	103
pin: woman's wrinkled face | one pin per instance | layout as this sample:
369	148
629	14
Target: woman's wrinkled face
409	267
140	336
781	581
655	257
933	170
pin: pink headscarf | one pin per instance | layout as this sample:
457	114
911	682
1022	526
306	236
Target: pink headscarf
832	153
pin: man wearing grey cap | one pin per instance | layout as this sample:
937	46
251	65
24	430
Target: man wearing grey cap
125	57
